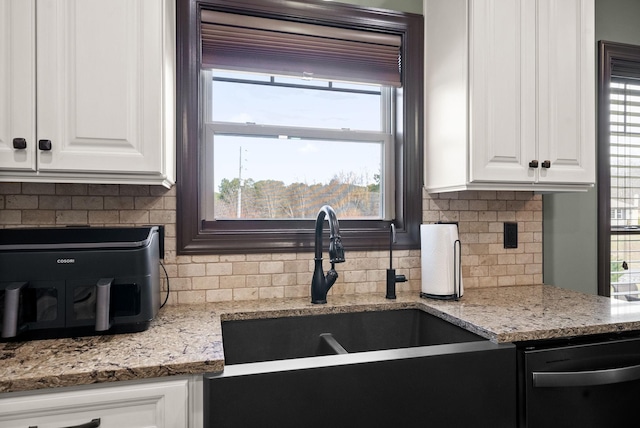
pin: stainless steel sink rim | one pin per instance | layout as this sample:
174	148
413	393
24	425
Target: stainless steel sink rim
293	364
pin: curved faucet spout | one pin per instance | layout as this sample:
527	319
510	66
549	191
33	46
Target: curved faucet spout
320	284
336	251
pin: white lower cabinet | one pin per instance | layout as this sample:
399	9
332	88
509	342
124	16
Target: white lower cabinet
161	404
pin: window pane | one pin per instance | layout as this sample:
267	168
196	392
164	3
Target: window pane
293	178
304	104
624	146
305	82
355	86
225	74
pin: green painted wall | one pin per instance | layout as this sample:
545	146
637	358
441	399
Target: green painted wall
412	6
570	220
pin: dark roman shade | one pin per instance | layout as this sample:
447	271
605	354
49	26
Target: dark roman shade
274	46
625	68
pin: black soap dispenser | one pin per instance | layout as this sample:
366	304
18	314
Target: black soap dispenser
392	278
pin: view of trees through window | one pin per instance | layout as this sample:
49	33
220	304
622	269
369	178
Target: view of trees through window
281	148
347	193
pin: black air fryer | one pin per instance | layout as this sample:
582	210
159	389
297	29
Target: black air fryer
61	282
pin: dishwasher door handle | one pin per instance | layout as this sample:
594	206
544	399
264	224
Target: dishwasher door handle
585	378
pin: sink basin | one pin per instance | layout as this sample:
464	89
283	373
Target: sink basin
255	340
390	368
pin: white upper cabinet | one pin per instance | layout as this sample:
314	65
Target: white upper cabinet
510	95
17	86
566	90
104	90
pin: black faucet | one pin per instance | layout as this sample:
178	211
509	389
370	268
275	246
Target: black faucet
392	278
320	284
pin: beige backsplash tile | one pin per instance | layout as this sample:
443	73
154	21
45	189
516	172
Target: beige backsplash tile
193	279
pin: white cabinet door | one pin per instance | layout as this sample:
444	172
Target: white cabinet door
17	84
150	405
502	89
566	90
509	84
99	83
532	91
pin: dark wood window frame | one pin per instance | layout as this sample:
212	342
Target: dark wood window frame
195	236
610	53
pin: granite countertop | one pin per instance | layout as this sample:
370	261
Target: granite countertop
187	339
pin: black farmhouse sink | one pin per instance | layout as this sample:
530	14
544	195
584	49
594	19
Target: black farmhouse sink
254	340
399	368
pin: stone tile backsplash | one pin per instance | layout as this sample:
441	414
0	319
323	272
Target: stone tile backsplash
480	215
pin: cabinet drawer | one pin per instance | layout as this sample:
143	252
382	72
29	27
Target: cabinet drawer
157	404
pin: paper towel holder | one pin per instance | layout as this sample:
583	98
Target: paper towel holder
456	292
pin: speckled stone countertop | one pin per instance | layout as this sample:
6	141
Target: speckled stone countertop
187	339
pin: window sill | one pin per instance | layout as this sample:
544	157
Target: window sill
224	237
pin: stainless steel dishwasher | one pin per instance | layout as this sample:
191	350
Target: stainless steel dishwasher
580	383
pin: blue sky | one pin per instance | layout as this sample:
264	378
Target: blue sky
292	160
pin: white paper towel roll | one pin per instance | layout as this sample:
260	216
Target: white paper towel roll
438	266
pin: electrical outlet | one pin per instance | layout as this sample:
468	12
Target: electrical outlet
510	235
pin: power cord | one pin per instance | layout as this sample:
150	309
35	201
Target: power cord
166	275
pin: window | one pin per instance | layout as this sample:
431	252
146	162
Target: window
241	186
277	147
619	169
617	214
